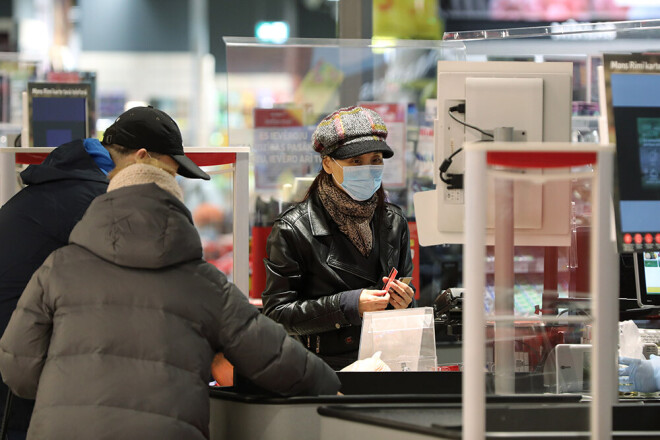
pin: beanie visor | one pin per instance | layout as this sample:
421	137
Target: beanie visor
358	147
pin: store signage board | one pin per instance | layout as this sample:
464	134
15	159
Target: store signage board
282	147
58	113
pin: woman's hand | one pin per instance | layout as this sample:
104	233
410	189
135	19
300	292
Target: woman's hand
372	301
401	294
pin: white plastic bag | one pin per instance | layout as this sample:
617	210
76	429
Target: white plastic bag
630	340
373	363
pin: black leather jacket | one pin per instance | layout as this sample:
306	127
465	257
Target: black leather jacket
306	271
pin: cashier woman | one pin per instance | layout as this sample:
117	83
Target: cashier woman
329	255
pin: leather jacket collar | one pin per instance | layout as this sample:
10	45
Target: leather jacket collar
320	223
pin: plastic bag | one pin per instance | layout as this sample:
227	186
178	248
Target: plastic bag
630	340
373	363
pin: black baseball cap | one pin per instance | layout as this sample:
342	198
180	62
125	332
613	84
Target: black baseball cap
153	130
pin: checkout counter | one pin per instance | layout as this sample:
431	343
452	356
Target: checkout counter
420	405
245	412
417	405
427	404
423	398
528	420
551	400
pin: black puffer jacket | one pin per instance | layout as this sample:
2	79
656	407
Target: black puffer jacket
39	219
115	333
308	271
34	223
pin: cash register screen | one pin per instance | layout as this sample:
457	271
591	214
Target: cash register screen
648	278
634	116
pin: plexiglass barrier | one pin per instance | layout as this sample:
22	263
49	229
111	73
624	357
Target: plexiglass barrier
277	94
405	338
556	350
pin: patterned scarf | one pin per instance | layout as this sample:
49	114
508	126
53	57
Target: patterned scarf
352	217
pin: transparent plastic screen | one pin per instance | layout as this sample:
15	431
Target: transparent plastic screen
405	338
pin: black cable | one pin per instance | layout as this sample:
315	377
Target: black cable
455	153
455	181
451	109
451	177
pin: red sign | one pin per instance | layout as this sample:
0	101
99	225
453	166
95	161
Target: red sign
63	77
389	111
277	117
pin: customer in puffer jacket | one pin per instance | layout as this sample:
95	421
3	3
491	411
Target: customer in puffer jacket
329	254
115	333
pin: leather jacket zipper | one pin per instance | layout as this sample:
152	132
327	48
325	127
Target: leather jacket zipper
349	269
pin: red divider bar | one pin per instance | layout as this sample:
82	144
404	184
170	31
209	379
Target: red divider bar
201	159
538	159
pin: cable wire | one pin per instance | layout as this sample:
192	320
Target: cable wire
455	181
468	125
445	166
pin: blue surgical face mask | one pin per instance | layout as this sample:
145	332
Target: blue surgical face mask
361	182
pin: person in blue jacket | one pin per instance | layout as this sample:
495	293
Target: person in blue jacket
40	217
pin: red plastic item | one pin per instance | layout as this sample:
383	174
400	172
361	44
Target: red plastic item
414	249
449	368
390	279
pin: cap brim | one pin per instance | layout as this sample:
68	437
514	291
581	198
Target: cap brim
188	168
362	147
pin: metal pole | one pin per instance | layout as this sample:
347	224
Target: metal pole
504	345
474	264
7	176
199	47
354	22
241	223
604	284
355	19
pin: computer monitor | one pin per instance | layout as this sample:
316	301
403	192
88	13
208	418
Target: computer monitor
647	277
57	112
533	98
633	114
